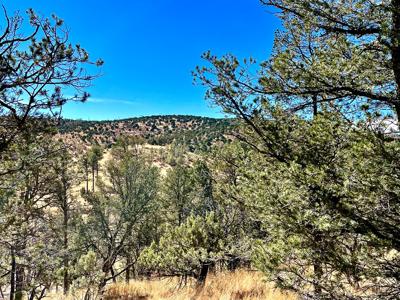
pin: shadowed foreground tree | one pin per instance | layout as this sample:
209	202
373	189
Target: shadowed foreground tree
37	65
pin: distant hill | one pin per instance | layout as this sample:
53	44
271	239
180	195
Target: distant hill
198	133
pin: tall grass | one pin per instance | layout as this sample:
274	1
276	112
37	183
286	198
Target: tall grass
241	285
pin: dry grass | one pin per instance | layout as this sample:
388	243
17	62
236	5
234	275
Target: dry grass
227	286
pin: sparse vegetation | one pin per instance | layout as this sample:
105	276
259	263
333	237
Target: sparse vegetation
196	133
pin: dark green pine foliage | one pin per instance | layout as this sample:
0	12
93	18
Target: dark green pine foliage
317	120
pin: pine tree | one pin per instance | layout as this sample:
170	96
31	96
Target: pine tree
35	67
332	62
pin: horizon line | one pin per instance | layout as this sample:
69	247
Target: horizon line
146	116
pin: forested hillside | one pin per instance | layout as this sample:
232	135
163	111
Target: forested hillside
197	133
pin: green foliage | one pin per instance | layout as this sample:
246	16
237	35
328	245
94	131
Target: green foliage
119	210
30	240
201	232
203	193
176	154
195	133
177	193
184	249
310	189
319	192
87	270
36	67
316	120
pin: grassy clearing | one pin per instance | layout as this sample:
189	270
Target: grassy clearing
226	286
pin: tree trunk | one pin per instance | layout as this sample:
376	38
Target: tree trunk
114	279
87	179
201	279
318	271
32	294
106	268
42	294
395	43
233	263
19	282
87	294
101	287
1	293
315	105
93	167
318	275
180	213
12	274
65	246
128	269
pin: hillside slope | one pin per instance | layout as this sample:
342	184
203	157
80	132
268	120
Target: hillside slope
198	133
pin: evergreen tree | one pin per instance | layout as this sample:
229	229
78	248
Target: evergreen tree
329	57
27	238
94	156
64	216
178	193
187	250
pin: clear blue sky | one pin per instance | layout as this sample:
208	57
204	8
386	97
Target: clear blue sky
150	48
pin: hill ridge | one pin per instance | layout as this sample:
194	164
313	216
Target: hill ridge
196	132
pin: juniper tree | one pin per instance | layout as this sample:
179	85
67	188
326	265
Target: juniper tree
203	194
228	166
206	235
187	250
127	144
178	193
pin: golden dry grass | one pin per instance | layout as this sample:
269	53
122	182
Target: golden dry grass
241	285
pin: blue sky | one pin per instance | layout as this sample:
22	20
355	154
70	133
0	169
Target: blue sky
150	48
